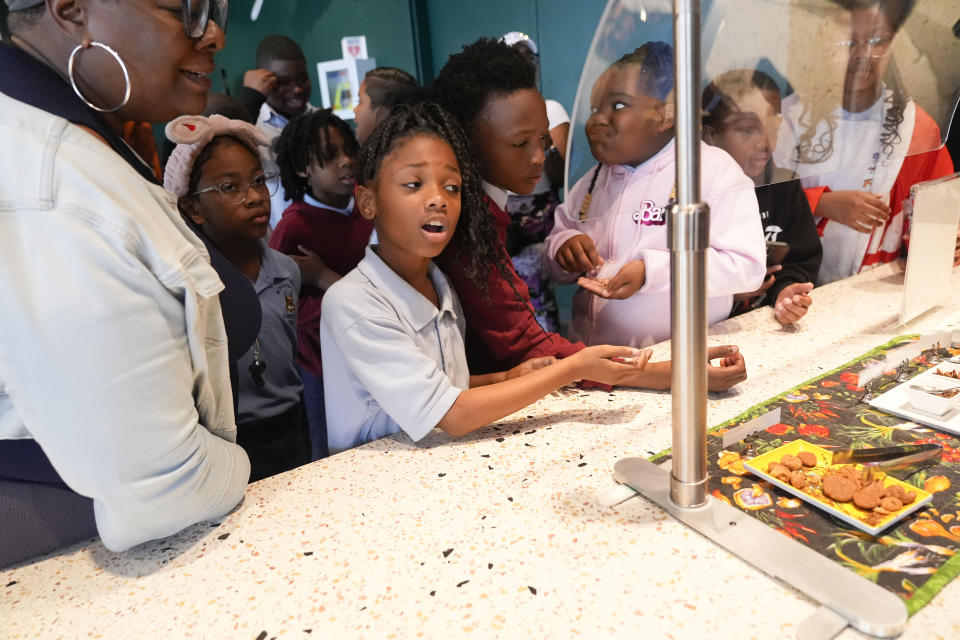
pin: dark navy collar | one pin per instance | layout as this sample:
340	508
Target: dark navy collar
24	78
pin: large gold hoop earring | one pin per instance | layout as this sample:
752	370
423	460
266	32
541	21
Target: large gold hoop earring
73	82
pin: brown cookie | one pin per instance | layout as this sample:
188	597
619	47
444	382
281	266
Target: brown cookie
779	472
891	504
791	462
868	497
908	497
807	458
895	491
838	487
798	479
849	471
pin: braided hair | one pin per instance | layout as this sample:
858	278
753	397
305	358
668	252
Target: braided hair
389	86
304	139
475	229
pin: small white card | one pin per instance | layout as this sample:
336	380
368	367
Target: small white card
904	354
354	47
747	428
870	374
943	338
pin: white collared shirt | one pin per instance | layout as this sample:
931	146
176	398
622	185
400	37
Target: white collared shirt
495	193
392	361
313	202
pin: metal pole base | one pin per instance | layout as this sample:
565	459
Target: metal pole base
864	605
688	495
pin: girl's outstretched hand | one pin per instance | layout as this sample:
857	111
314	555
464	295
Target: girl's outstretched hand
730	369
624	284
608	364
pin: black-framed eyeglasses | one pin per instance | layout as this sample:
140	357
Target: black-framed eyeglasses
198	13
236	191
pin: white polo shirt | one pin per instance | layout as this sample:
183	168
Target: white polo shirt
392	361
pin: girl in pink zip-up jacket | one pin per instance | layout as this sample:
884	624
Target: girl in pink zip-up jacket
611	235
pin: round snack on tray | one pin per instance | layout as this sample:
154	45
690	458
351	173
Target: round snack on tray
895	491
908	497
868	497
779	471
798	479
850	472
891	504
807	458
791	462
838	487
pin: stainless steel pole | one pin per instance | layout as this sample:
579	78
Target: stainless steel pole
688	233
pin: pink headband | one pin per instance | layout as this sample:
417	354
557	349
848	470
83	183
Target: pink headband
192	134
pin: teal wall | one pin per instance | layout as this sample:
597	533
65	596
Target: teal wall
562	30
318	25
417	35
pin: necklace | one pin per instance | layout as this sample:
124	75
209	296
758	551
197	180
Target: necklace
585	207
258	366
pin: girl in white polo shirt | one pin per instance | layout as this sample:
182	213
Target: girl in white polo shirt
611	235
392	329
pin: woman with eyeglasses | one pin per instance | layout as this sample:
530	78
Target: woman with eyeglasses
115	398
855	158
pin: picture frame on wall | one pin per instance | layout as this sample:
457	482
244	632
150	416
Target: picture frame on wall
340	83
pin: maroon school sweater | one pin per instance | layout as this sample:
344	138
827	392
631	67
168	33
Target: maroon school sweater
502	331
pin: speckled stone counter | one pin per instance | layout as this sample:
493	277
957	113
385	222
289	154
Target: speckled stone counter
494	535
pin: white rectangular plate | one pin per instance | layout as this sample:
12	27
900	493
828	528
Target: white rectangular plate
895	401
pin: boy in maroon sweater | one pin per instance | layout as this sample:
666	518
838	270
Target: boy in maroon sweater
323	231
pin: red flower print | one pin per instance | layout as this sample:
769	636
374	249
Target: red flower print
817	430
851	379
779	429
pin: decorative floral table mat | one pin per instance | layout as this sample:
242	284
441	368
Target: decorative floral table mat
914	559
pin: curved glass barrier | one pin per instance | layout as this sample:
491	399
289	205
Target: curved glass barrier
838	93
859	80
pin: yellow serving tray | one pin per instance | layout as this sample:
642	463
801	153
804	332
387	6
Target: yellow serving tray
845	511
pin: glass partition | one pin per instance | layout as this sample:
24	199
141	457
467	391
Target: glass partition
862	84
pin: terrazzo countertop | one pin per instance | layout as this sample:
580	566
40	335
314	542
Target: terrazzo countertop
494	535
